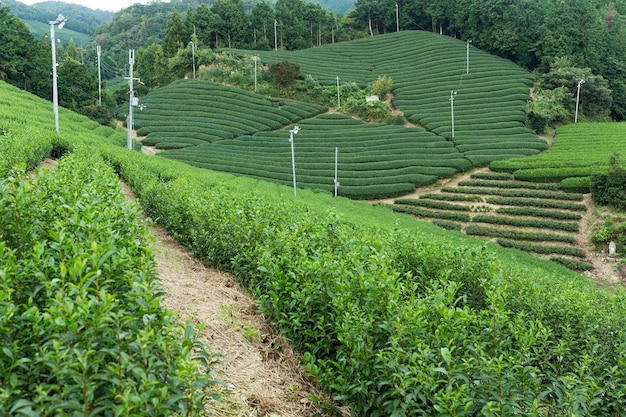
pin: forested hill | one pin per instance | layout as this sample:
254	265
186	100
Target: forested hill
80	18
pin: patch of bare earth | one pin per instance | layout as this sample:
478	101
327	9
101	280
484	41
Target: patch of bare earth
260	372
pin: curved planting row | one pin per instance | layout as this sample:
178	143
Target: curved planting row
490	101
193	112
373	161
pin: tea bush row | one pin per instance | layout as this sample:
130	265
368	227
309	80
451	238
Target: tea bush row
83	329
536	212
573	264
452	197
432	204
527	202
431	214
509	184
527	222
542	249
477	230
521	193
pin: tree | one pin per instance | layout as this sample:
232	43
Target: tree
284	73
610	188
203	22
292	27
151	66
261	20
78	85
233	21
24	61
176	36
595	95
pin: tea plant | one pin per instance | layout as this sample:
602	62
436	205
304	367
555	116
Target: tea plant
83	328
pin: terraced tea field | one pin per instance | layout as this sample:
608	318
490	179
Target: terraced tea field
223	128
534	217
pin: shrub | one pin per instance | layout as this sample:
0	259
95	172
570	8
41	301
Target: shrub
284	73
610	188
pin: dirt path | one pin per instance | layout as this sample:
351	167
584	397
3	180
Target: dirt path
261	373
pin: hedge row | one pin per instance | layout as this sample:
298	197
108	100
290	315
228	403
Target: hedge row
542	249
432	214
516	193
525	222
572	264
527	202
432	204
477	230
536	212
452	197
509	184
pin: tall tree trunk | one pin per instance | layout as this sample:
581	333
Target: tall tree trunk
369	16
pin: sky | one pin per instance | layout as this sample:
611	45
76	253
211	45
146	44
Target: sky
111	5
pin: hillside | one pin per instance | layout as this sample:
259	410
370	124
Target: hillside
411	306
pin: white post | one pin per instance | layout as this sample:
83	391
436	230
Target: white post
129	122
255	60
99	79
338	96
452	94
397	19
467	57
193	57
577	100
336	182
275	37
293	158
60	20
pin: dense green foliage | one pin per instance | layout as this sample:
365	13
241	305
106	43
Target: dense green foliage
82	325
81	19
395	317
532	33
579	150
610	188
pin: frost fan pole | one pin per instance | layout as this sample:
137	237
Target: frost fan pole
336	182
129	122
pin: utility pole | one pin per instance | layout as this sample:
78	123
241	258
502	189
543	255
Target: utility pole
129	122
275	37
452	94
467	57
133	102
338	96
397	19
99	78
193	57
60	20
336	182
256	57
578	99
293	131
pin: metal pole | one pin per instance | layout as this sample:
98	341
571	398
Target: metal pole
397	19
55	91
467	57
577	100
255	59
275	37
293	158
452	94
99	79
336	182
129	123
338	96
193	57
